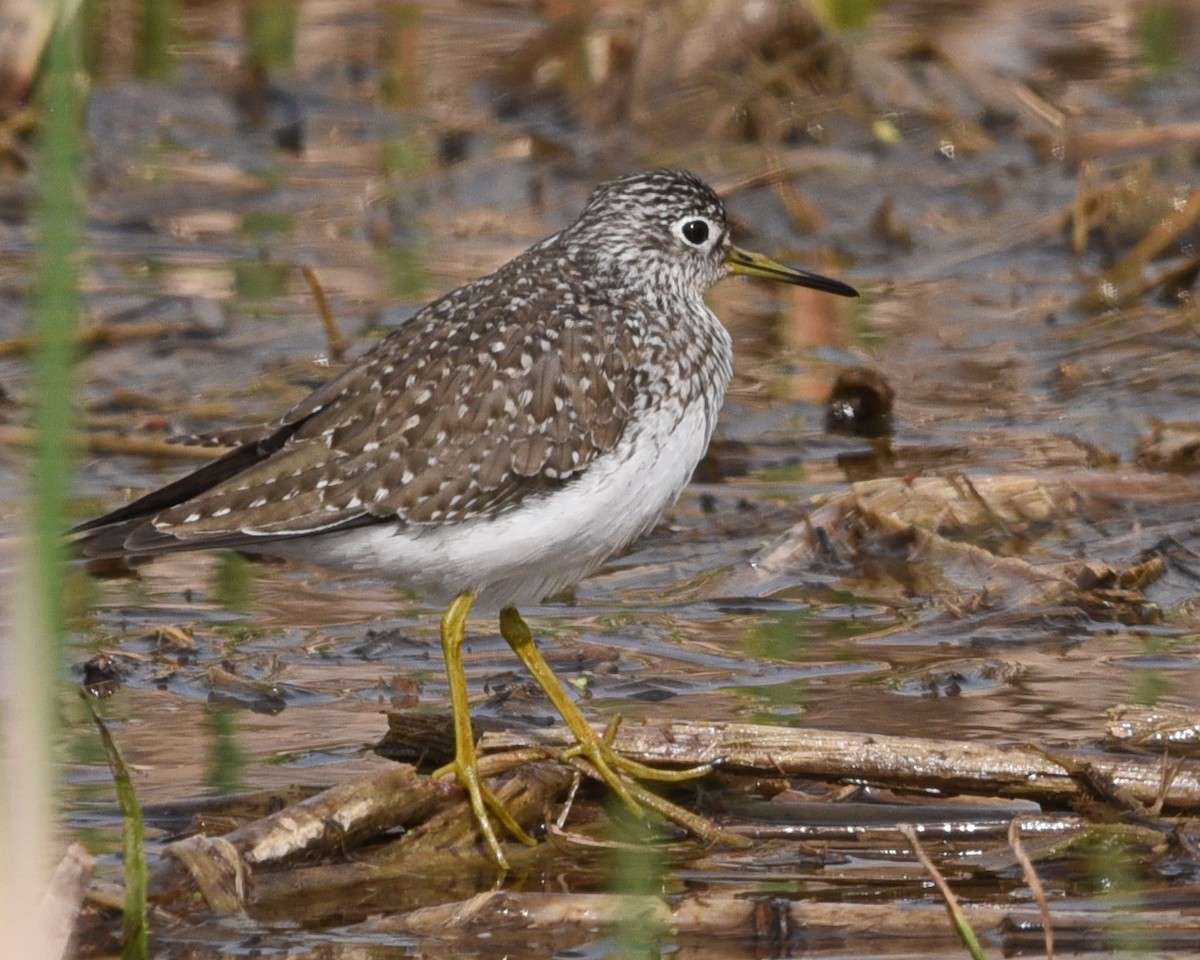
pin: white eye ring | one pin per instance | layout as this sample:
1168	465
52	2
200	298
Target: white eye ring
695	231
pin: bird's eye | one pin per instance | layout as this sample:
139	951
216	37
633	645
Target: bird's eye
695	232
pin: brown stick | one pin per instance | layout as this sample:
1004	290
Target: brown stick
1082	145
333	820
96	335
443	845
118	443
903	762
1034	882
735	916
333	336
958	919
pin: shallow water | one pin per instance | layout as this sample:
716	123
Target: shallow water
420	170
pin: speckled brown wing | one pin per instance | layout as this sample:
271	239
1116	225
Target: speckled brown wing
477	403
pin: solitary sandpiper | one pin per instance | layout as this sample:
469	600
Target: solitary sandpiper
499	445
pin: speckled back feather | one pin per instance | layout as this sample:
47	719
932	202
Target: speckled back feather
504	389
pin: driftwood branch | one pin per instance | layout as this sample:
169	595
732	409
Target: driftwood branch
348	845
1012	770
245	865
441	846
781	923
107	441
395	823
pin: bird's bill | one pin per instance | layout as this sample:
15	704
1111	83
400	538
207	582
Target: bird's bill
745	263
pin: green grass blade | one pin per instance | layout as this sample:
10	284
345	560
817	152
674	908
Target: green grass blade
135	934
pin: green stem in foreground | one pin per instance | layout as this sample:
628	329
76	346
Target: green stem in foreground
135	931
56	315
32	651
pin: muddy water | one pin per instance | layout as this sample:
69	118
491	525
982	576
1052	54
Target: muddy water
387	156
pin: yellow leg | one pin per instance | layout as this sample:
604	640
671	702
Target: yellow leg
594	748
464	766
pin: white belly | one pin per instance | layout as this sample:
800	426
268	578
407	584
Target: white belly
547	543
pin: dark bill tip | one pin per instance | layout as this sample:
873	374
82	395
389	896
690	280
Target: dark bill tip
748	264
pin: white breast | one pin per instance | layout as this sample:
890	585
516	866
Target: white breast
550	541
553	540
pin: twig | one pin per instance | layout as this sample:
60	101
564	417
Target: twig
1106	143
118	443
98	334
333	336
1034	882
1124	281
962	925
903	762
737	915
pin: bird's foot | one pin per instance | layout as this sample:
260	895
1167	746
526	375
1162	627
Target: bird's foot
484	806
465	764
595	754
600	753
